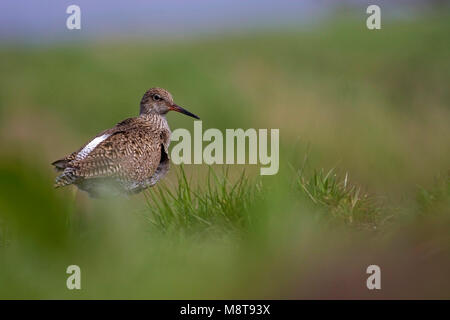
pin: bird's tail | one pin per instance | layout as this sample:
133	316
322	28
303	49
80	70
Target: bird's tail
60	165
66	178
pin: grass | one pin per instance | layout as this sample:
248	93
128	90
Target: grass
219	204
436	199
234	231
224	205
341	199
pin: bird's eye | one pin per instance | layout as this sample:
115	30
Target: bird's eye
157	97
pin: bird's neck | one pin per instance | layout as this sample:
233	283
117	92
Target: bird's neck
158	120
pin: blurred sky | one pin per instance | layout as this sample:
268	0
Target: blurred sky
45	20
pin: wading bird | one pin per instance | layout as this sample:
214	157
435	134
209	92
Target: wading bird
127	158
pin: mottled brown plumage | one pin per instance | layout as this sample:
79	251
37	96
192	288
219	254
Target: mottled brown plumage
127	158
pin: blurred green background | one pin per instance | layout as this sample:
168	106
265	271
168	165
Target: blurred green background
371	104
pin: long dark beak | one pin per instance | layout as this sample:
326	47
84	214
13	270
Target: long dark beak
177	108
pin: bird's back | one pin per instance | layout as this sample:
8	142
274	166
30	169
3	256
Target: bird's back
124	158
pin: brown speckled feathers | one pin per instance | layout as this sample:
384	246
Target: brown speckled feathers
130	152
127	158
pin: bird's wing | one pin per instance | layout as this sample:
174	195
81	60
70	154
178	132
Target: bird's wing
65	162
133	153
130	150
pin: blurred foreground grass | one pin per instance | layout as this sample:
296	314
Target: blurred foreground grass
372	105
218	240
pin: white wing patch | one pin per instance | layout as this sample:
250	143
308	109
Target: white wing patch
91	146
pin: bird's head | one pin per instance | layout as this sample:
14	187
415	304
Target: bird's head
160	101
